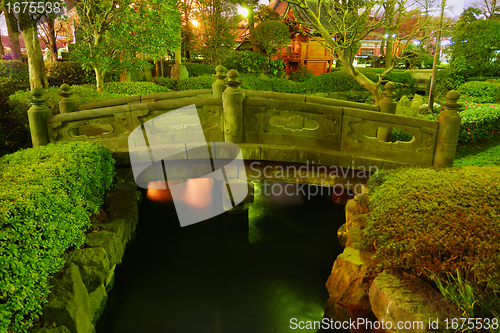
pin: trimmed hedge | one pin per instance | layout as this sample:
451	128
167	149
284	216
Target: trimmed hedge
70	72
47	195
195	69
480	92
8	87
19	102
479	122
14	69
195	83
437	221
134	88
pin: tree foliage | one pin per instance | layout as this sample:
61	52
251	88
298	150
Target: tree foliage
122	34
219	21
272	36
475	47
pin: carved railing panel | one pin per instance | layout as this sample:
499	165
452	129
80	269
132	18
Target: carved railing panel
292	124
358	128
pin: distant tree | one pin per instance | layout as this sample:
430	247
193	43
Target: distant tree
121	34
218	26
272	36
344	24
489	8
474	51
28	15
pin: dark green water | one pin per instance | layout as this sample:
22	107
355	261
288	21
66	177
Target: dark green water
207	278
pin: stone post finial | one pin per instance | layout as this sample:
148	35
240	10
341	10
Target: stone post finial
390	90
232	79
66	104
37	117
451	105
232	104
447	137
387	105
218	86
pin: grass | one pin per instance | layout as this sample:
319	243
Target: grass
485	153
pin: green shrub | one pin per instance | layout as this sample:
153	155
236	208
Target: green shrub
251	82
480	92
482	78
47	195
479	122
430	221
134	88
195	83
195	69
166	82
445	82
70	72
8	87
246	62
14	69
301	74
19	102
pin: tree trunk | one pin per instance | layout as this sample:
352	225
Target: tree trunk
2	50
99	77
52	40
15	47
36	66
365	82
255	46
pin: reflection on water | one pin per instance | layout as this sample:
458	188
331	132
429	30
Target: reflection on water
207	278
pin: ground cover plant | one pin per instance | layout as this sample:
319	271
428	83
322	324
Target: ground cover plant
437	224
47	195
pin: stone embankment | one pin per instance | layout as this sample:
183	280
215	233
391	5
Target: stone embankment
393	301
79	291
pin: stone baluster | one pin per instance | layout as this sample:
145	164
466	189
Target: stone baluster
232	103
447	137
387	105
37	117
218	86
66	104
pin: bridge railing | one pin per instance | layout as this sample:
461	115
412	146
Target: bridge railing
269	122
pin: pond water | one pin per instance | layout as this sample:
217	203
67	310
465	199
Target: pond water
211	277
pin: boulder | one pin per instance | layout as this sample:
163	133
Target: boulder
396	297
342	235
110	241
348	272
336	312
404	102
354	207
98	300
58	329
179	72
356	221
94	266
354	238
68	303
417	101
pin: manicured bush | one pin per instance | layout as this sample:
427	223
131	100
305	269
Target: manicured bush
195	69
479	122
14	69
245	62
166	82
482	78
47	195
251	82
445	82
195	83
480	92
19	102
134	88
430	221
70	72
8	87
301	74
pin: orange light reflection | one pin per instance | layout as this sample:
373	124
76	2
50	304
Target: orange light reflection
197	192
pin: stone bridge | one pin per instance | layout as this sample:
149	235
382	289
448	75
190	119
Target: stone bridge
268	127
